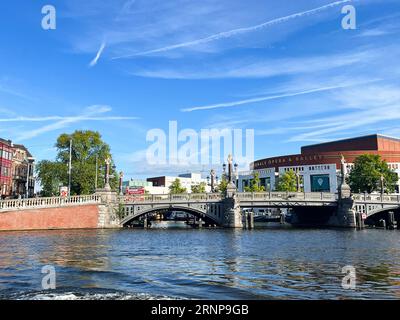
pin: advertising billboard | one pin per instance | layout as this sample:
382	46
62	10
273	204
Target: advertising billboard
320	183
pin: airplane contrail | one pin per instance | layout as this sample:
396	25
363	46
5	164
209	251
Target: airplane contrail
234	32
273	97
97	57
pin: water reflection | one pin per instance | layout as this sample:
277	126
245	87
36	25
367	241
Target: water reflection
276	263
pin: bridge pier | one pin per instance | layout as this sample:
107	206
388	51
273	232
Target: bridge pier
109	209
360	221
392	223
251	220
345	215
145	223
282	217
232	217
248	218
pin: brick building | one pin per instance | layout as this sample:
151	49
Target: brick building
6	154
16	171
23	182
319	165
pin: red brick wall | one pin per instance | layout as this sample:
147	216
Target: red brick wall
388	144
76	217
354	144
322	158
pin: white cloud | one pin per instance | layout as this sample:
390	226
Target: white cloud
238	31
271	97
91	113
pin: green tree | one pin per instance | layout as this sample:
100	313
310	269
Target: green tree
176	187
52	175
367	172
287	182
199	188
255	184
223	185
87	146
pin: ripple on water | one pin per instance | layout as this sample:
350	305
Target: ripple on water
200	264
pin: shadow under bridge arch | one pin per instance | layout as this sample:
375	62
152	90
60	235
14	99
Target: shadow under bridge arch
198	213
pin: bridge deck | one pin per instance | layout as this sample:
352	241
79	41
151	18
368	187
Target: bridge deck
246	199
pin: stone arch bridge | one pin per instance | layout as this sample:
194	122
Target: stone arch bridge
216	209
107	210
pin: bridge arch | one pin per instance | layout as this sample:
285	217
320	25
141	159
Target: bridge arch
194	211
381	210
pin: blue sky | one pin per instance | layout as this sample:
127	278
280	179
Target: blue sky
284	68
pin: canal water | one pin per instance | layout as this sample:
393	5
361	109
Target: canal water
181	263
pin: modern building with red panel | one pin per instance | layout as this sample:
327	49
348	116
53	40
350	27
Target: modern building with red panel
6	155
319	165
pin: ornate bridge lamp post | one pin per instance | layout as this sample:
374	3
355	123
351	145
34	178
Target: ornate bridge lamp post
232	213
232	169
224	170
107	174
236	173
344	189
298	181
213	179
382	180
121	178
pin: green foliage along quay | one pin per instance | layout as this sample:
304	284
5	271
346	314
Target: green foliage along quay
176	187
223	185
255	184
200	188
287	182
367	172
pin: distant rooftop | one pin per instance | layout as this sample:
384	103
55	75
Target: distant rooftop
369	142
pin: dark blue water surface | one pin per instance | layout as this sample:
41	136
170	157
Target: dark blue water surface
266	263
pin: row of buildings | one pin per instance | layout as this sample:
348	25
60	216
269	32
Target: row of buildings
16	171
317	166
160	185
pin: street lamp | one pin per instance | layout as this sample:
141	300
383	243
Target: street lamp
121	177
382	185
107	174
213	175
97	169
298	180
236	173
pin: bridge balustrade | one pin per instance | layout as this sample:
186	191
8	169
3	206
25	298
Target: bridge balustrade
162	198
47	202
360	197
266	196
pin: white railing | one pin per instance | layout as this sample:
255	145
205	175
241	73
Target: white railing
287	196
18	204
168	198
388	198
242	196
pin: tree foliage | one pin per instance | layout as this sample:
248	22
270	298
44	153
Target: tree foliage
367	172
255	184
199	188
86	147
176	187
223	185
52	175
287	182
